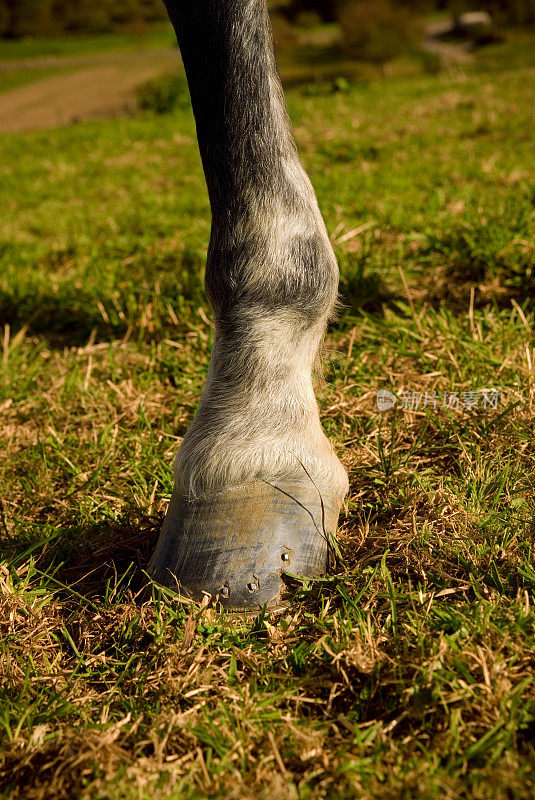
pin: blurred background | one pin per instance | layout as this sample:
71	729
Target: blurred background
414	120
316	40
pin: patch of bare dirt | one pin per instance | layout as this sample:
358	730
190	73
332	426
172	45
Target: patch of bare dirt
102	89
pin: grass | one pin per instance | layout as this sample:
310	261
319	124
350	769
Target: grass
158	35
409	671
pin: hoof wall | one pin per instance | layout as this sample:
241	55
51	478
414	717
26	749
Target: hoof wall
235	545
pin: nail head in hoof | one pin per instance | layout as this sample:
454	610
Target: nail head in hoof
242	538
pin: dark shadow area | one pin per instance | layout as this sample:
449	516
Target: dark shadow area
66	317
112	551
490	255
363	289
149	298
92	560
451	287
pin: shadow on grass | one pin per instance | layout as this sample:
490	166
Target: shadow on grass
93	560
450	285
150	298
493	254
363	289
67	316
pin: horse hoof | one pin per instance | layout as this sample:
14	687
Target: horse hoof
234	546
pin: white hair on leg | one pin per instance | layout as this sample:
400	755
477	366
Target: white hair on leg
263	426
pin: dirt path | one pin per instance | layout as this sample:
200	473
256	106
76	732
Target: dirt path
100	87
450	53
103	84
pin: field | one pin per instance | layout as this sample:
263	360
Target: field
49	82
408	672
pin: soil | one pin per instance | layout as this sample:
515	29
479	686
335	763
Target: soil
101	86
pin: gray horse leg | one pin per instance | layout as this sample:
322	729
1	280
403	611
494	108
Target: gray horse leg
257	485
